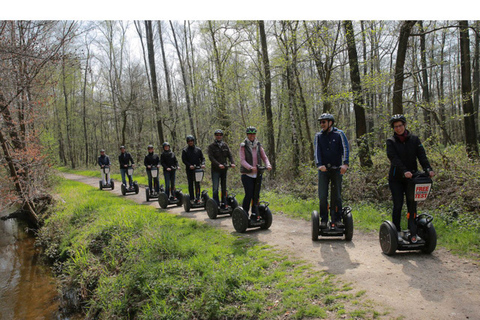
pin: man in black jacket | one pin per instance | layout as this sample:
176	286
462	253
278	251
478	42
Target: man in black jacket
219	153
104	161
403	150
126	160
152	160
169	162
192	156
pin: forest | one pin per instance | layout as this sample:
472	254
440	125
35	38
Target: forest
71	88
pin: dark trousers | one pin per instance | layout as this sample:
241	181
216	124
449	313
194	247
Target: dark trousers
249	187
219	177
169	177
157	183
123	172
334	178
399	189
193	192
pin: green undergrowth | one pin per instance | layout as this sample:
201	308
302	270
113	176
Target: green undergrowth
129	261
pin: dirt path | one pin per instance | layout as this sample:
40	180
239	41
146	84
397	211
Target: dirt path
409	284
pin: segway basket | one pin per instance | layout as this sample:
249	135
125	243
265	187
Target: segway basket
419	187
199	175
154	172
130	171
106	170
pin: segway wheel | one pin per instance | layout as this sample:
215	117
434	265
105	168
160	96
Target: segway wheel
348	222
240	220
113	184
186	203
163	200
212	209
124	190
388	238
136	188
179	196
147	194
430	238
315	225
100	185
268	217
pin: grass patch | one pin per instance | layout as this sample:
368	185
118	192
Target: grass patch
124	260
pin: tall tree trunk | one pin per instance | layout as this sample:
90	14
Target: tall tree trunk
424	84
84	105
153	76
185	81
268	97
468	112
405	31
67	116
360	120
476	76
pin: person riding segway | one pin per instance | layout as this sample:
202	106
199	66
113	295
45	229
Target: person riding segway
192	157
104	163
152	163
332	159
404	179
252	157
126	168
219	154
169	162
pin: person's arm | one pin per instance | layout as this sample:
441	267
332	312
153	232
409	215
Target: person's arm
345	148
184	158
145	162
98	161
317	151
163	162
210	153
131	159
244	162
264	158
230	156
202	158
394	158
175	161
422	156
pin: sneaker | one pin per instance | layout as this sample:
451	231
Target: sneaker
172	198
323	225
339	224
253	217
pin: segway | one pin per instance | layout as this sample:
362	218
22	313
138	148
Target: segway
131	189
200	201
152	194
333	230
418	190
109	185
240	219
164	201
213	210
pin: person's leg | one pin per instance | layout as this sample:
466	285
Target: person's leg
130	180
190	179
122	173
215	183
172	183
397	190
149	175
411	212
248	185
336	202
104	176
256	195
166	176
223	177
157	185
323	180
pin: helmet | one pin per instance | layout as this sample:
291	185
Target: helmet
150	146
397	117
327	116
190	138
218	131
102	150
122	147
165	144
251	129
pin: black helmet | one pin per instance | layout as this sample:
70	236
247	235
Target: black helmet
219	131
190	138
397	117
327	116
251	129
165	144
150	146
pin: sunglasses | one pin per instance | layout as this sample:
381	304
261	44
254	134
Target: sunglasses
218	134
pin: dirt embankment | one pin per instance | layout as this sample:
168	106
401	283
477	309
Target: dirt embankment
410	284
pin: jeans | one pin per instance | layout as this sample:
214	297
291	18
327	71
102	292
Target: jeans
249	187
123	172
194	193
334	177
169	181
399	189
157	183
105	178
216	177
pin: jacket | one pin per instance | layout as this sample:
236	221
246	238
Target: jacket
103	161
247	157
403	156
125	159
168	160
192	156
218	153
331	148
151	159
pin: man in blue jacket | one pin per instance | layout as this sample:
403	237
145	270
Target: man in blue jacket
331	158
104	161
